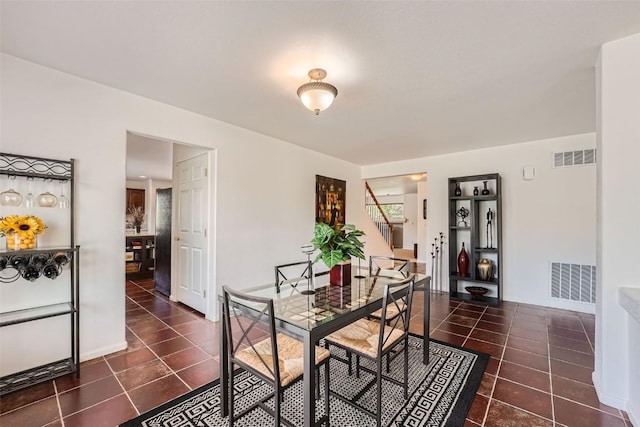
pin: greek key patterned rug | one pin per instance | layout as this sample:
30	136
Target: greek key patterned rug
440	394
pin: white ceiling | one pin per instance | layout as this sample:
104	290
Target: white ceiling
415	78
148	158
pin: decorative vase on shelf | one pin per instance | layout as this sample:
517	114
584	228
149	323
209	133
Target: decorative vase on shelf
16	243
458	191
475	191
463	262
137	227
485	190
485	269
340	274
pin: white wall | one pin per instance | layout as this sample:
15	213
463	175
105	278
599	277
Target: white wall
552	218
618	206
264	189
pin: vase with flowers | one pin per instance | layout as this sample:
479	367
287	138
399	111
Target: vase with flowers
21	231
337	246
137	217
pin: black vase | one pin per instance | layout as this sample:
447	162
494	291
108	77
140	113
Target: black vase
475	191
485	190
457	191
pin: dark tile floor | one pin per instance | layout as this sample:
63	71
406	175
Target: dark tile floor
539	373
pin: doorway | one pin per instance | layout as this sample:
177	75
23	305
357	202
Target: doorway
402	199
181	264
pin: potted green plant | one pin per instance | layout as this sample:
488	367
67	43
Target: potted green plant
337	246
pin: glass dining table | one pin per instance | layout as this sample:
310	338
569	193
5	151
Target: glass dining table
311	310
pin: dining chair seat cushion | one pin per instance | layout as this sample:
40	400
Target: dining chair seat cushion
290	354
392	311
363	335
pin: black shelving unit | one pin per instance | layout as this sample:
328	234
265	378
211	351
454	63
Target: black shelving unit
478	244
140	256
50	262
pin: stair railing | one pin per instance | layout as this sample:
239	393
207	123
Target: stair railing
378	216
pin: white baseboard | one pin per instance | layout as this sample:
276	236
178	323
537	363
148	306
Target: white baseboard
634	416
612	401
102	351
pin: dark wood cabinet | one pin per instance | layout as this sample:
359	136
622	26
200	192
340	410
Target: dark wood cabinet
135	198
478	199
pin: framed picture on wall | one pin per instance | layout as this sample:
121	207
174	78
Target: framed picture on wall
331	201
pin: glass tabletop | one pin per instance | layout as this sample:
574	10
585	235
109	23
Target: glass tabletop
308	311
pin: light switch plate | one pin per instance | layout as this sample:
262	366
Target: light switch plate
528	173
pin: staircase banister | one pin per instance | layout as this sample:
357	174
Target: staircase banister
375	199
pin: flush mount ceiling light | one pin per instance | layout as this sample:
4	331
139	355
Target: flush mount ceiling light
316	95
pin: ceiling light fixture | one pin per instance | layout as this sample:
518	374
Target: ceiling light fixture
316	95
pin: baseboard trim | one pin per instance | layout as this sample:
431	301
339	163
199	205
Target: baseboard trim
634	416
102	351
614	402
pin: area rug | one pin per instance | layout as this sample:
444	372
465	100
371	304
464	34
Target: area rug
440	394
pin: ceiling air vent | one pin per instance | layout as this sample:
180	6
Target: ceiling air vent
574	158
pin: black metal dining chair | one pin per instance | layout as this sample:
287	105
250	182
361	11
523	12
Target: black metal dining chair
374	340
294	273
388	267
276	359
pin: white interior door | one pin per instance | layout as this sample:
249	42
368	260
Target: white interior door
193	213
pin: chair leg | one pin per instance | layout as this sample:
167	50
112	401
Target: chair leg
231	396
277	406
349	358
406	368
379	393
357	366
326	392
317	383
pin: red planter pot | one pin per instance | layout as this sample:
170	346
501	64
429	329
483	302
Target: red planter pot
340	274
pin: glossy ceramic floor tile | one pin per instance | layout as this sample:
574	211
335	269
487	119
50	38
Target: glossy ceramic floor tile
539	373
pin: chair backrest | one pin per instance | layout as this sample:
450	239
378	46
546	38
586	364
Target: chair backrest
245	328
388	266
293	273
400	300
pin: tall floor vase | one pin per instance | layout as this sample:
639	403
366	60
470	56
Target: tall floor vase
463	262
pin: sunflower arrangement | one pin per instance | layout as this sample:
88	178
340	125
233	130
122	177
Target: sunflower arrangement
25	227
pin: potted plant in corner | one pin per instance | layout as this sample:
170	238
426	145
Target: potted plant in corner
337	246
